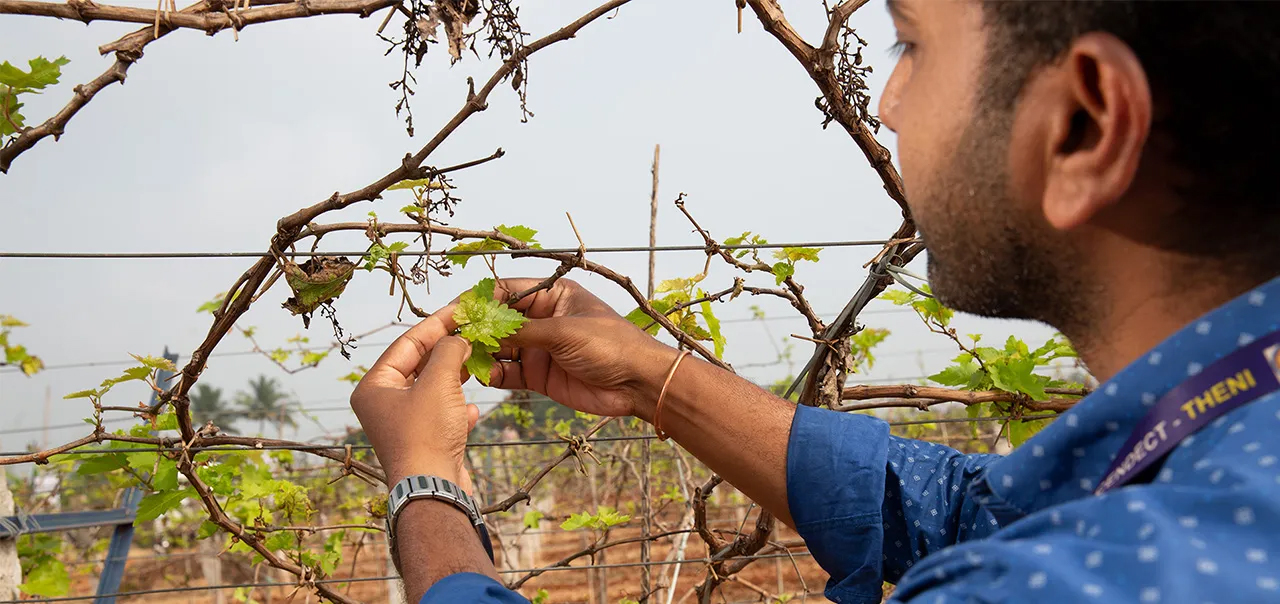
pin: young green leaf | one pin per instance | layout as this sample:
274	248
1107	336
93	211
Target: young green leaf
521	232
532	518
48	579
713	328
155	504
480	363
43	73
414	183
483	319
782	270
796	254
458	256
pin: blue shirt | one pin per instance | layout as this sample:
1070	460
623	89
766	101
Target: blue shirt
953	528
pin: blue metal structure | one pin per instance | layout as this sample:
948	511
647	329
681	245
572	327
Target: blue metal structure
121	518
117	552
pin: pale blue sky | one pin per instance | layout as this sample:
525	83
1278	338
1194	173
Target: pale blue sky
211	141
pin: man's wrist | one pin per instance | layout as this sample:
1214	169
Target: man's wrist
448	471
651	374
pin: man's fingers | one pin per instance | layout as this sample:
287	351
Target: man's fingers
400	362
504	288
535	333
507	375
446	360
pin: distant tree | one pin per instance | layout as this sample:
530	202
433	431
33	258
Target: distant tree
207	405
267	403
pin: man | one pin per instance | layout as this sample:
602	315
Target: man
1099	166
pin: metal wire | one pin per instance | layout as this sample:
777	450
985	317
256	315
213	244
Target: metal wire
478	445
513	571
504	252
238	353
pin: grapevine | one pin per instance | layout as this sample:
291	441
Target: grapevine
309	510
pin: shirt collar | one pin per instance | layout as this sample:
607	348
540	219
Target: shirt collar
1066	460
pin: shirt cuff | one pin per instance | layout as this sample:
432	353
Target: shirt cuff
835	492
470	587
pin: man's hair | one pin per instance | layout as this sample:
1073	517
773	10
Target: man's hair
1214	72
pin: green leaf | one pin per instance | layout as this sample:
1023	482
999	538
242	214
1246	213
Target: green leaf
313	358
457	257
958	374
675	285
10	108
49	578
532	518
519	231
317	281
151	362
485	320
577	521
332	553
899	297
541	597
166	476
166	421
610	517
782	270
713	327
10	321
796	254
142	462
412	209
155	504
207	529
81	394
641	319
1015	375
426	183
279	355
213	305
480	363
355	376
280	541
43	73
97	464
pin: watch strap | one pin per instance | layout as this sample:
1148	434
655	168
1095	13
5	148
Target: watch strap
433	487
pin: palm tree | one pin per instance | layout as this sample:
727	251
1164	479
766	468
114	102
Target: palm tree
207	406
266	402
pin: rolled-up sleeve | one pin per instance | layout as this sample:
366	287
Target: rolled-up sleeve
470	587
869	505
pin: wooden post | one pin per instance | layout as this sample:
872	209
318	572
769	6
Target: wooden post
646	459
10	567
653	218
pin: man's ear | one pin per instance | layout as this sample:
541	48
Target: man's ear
1094	110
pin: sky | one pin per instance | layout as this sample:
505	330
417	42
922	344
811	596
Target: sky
212	140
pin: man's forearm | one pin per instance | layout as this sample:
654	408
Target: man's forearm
435	539
739	430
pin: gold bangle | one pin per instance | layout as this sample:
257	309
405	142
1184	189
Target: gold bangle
662	396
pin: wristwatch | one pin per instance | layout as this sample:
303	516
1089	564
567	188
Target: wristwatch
433	487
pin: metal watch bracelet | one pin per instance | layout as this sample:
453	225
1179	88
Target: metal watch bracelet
433	487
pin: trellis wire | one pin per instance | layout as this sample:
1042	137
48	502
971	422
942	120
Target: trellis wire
237	353
503	252
513	571
490	444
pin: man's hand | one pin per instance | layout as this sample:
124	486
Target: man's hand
411	406
578	351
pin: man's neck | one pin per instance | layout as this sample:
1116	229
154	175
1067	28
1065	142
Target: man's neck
1142	307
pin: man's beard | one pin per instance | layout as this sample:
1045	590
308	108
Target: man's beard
988	255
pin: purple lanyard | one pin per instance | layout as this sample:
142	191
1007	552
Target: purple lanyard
1245	375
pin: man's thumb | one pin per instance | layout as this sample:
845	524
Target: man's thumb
447	357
